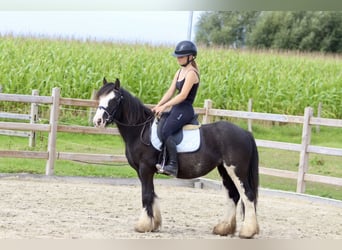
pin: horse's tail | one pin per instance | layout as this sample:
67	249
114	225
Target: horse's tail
254	169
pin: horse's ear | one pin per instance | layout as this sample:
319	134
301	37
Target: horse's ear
104	81
117	83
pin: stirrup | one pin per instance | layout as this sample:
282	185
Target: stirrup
160	166
169	172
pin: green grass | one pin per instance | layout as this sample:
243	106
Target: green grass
323	190
67	168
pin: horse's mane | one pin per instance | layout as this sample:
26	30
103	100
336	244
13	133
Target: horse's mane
133	110
104	90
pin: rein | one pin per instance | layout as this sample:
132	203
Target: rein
110	119
148	121
150	118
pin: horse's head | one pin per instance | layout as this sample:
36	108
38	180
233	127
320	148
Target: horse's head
109	96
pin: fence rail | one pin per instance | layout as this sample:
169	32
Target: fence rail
32	117
208	113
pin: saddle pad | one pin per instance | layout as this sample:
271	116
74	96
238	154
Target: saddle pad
190	142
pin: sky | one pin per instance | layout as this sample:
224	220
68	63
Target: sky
153	27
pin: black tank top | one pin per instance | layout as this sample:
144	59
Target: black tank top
192	94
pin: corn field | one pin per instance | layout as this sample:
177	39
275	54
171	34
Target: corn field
282	83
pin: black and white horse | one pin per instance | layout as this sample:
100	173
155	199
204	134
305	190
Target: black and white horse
223	145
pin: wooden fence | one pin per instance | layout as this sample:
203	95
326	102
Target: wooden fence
32	117
207	112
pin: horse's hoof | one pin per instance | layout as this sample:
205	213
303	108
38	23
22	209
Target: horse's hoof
147	223
248	233
146	227
247	236
225	228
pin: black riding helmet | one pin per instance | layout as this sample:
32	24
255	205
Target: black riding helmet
185	48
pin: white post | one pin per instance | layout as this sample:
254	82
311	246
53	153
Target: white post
190	25
304	154
33	119
50	164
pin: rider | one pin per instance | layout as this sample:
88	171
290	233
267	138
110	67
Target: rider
186	82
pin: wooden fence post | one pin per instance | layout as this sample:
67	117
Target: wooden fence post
250	108
50	164
304	154
319	113
33	119
207	105
92	110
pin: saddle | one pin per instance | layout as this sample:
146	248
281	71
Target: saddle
187	139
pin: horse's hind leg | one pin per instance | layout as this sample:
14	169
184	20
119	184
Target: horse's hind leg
150	219
250	224
228	224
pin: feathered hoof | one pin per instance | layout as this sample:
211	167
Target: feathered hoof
147	223
147	226
247	232
225	228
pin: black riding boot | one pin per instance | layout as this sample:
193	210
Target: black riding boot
171	168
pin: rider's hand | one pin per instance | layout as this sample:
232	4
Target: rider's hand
158	110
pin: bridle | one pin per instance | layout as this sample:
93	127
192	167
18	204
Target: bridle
111	117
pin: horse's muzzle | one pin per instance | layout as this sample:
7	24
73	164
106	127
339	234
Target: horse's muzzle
99	122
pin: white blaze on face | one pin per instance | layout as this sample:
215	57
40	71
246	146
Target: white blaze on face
103	102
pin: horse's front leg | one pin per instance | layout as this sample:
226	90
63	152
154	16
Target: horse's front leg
150	218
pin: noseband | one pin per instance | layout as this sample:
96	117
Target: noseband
110	116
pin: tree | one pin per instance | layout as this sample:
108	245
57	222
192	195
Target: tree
287	30
299	30
329	31
263	33
225	28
